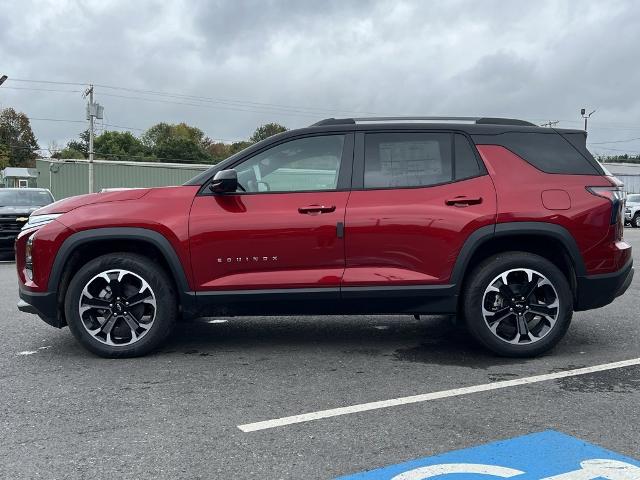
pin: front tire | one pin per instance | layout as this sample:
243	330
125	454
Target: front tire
635	221
517	304
121	305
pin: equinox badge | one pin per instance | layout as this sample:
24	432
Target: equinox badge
247	259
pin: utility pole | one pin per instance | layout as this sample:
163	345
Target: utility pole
94	111
550	123
91	135
586	117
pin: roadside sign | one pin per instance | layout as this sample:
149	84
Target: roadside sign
546	455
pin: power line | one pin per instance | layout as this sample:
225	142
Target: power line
265	107
213	107
616	141
55	120
84	84
42	89
234	101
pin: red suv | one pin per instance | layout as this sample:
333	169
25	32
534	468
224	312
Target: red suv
508	225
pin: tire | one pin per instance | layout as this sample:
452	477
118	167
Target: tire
129	315
485	303
635	221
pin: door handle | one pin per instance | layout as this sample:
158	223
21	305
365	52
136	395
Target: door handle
463	201
316	209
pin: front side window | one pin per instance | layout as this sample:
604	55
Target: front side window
407	159
305	164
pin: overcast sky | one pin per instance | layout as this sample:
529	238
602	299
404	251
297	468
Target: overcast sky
231	65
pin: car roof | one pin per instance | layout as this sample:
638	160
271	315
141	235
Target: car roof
470	125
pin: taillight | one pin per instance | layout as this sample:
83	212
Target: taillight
615	195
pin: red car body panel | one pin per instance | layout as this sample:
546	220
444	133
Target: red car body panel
520	187
262	241
410	236
163	210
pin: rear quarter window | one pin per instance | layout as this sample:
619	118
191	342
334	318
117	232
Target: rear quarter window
549	152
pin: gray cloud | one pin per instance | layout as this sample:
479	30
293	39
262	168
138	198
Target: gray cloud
536	60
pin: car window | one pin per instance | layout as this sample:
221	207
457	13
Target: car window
633	198
549	152
407	159
466	162
305	164
25	198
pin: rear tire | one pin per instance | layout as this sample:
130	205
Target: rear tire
121	305
533	320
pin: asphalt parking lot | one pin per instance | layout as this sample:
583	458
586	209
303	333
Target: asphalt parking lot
65	413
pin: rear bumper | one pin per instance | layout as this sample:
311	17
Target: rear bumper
595	291
44	304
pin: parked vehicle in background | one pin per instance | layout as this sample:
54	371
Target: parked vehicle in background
16	204
509	225
632	210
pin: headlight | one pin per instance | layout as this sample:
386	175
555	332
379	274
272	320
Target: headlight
40	220
28	258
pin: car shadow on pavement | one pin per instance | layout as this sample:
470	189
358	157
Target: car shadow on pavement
430	340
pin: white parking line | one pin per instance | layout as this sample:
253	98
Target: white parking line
456	392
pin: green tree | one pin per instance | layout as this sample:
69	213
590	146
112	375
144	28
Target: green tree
81	145
16	136
5	156
114	145
266	131
177	142
180	149
68	153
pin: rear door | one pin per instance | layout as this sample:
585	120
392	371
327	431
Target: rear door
285	231
416	198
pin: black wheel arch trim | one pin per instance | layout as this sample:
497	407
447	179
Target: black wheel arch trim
187	299
499	230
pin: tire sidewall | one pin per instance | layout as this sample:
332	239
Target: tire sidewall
489	270
166	306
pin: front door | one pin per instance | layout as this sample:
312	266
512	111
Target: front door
285	231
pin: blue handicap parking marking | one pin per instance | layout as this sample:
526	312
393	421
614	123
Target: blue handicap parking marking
546	455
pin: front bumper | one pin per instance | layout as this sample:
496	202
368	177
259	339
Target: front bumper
7	242
44	304
595	291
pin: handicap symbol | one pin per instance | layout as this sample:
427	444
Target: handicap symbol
596	469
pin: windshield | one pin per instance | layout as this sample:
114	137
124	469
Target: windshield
633	198
25	198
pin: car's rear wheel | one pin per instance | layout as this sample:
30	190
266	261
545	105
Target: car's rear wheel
517	304
121	305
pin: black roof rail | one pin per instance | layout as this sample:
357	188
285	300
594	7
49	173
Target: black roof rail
477	120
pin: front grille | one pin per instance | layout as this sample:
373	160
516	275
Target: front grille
10	223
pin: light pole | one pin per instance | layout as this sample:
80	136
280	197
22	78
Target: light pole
586	117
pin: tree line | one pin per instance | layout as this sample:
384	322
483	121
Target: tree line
624	158
163	142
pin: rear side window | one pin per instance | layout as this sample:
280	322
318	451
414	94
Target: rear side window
466	162
407	159
548	152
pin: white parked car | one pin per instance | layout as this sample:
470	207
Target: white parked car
632	210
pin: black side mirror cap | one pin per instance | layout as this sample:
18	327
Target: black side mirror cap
225	181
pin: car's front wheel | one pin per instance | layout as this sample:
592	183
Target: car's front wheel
517	304
635	221
121	305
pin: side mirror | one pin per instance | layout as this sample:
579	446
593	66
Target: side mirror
225	181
